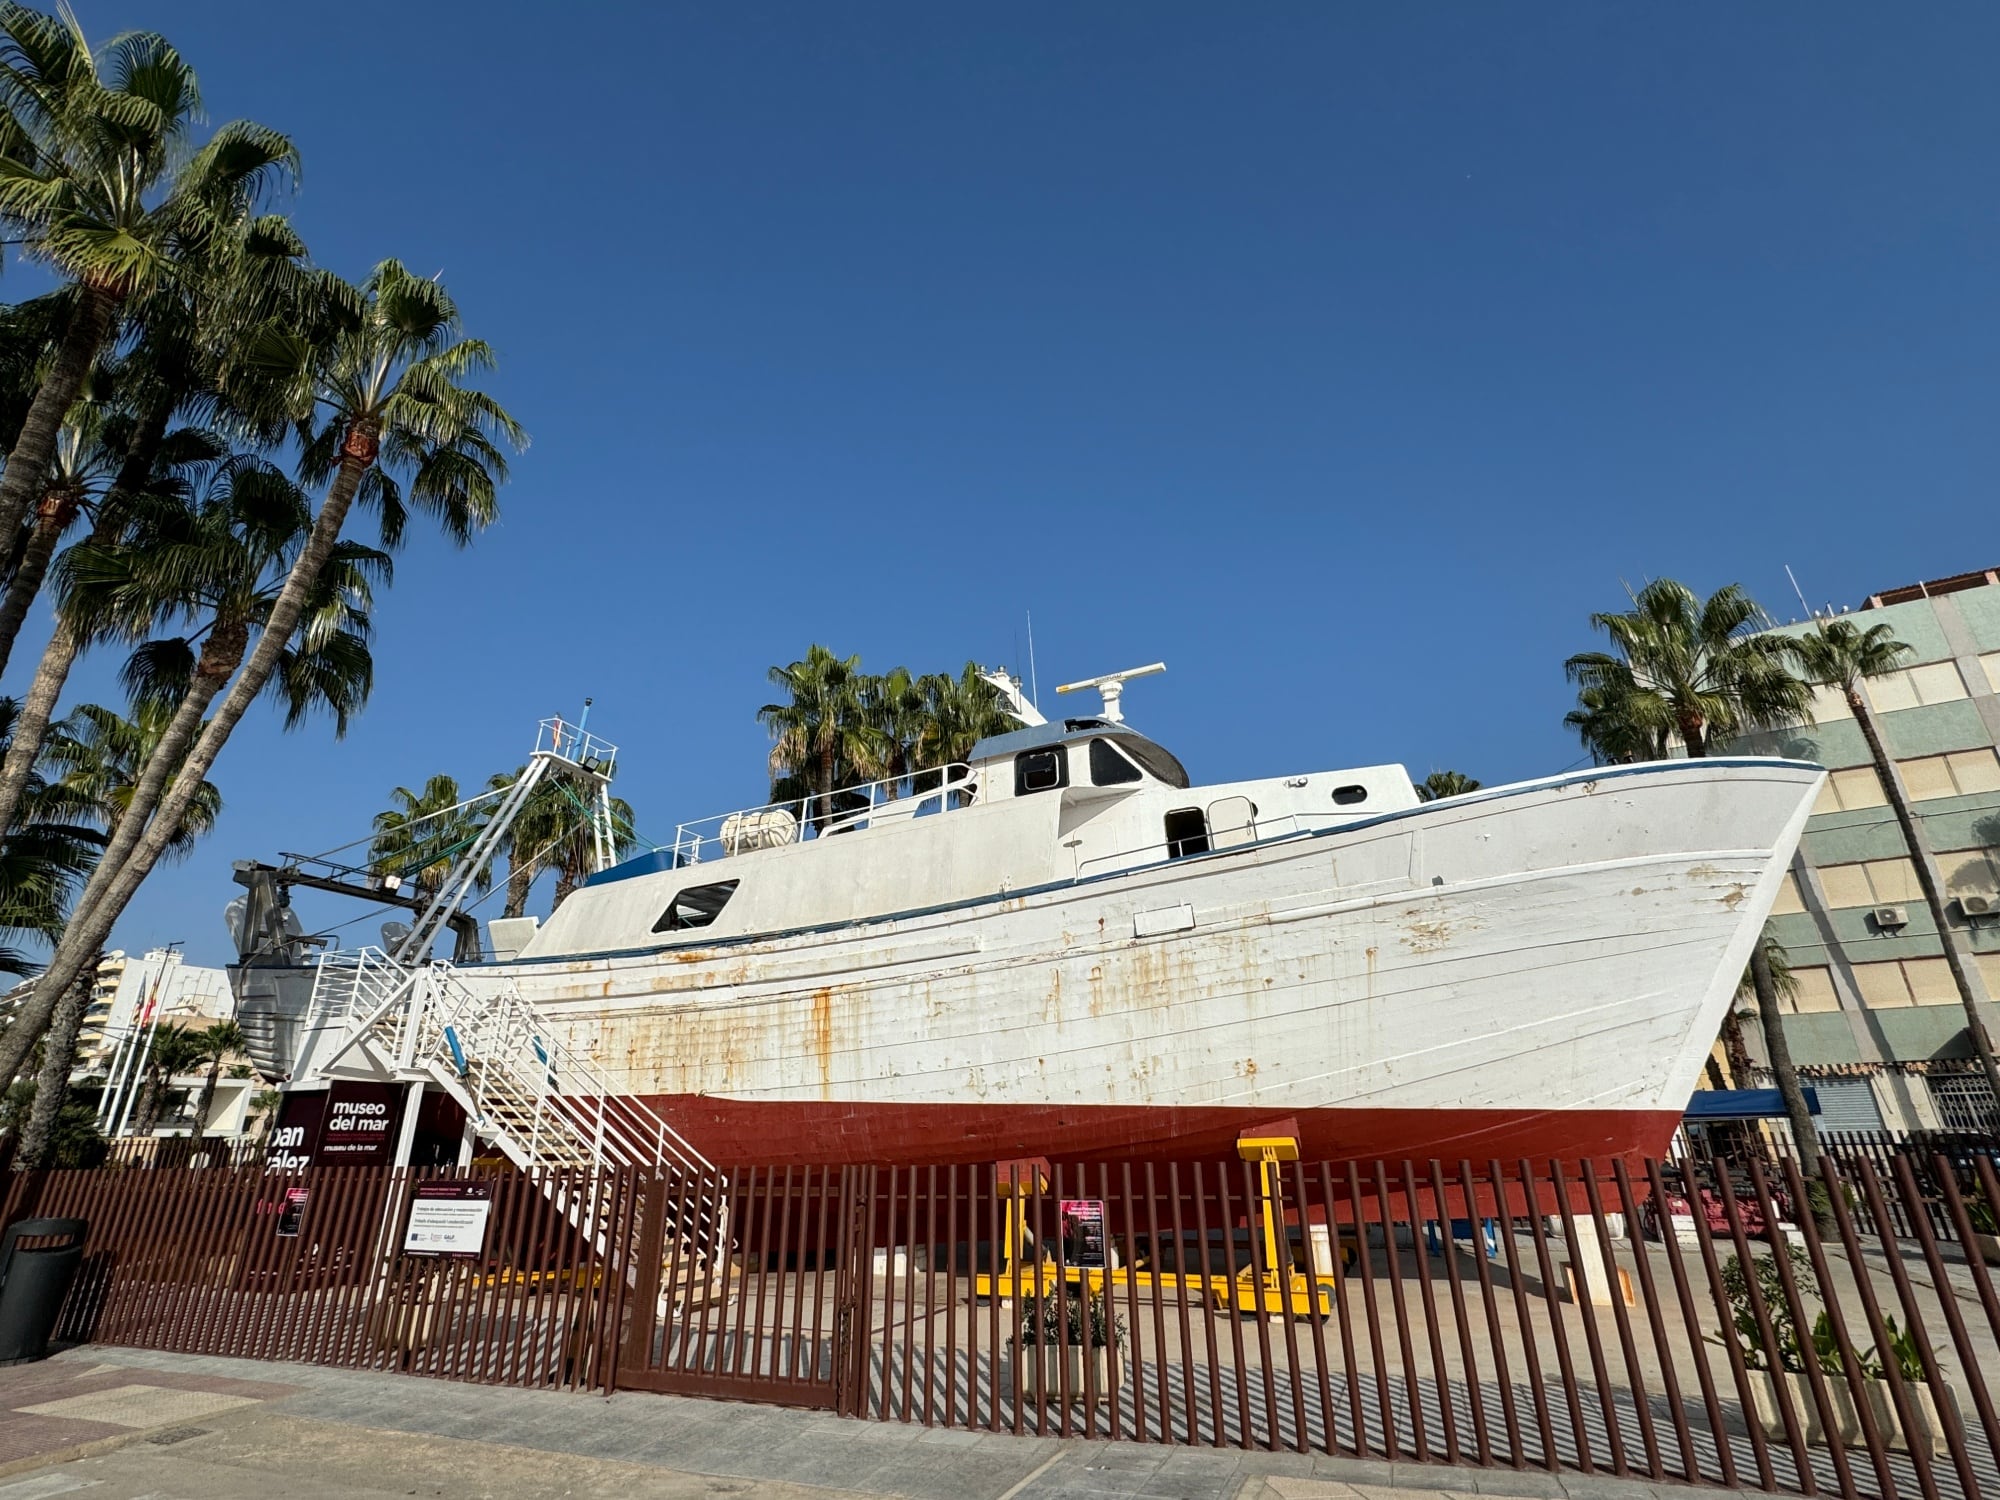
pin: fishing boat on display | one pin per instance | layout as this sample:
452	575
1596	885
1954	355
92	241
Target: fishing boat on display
1064	947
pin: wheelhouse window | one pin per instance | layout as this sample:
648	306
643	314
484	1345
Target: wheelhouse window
1347	796
1159	762
1040	770
1187	832
697	906
1109	768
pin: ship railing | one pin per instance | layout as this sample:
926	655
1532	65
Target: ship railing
1257	830
571	742
846	810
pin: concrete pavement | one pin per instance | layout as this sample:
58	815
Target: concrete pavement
124	1424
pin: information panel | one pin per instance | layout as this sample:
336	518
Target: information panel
448	1218
1083	1231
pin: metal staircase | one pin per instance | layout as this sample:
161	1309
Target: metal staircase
545	1108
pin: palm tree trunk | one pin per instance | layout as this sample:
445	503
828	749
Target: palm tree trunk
1805	1134
31	724
520	882
35	446
219	655
115	879
52	1084
1933	886
51	522
1735	1049
207	1101
565	883
146	1116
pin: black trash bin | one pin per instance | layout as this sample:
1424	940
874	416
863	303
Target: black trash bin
34	1281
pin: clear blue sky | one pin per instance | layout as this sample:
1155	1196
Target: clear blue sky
1344	357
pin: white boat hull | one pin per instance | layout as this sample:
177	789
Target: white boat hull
1536	971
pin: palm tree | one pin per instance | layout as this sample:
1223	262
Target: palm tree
96	757
422	834
556	830
1445	784
893	712
1618	725
172	1051
212	560
189	354
183	458
382	399
1839	654
45	854
99	757
1698	668
220	1039
958	713
97	184
819	735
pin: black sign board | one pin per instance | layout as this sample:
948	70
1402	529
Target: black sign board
292	1213
360	1125
349	1124
1083	1231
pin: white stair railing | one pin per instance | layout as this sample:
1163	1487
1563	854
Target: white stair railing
543	1105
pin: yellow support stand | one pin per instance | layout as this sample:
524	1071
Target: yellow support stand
1022	1269
1282	1290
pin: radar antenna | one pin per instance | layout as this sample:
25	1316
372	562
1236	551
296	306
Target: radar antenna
1112	686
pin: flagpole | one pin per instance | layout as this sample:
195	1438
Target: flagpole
121	1062
131	1094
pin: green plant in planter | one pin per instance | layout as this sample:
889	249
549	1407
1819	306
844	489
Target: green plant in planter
1826	1349
1064	1316
1984	1221
1903	1349
1784	1328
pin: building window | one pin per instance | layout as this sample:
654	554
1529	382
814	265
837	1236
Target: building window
1964	1102
1875	882
1848	791
1788	902
1812	992
1108	767
1916	687
1187	832
1040	770
697	906
1846	1104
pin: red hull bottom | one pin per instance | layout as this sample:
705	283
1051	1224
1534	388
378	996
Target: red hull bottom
740	1134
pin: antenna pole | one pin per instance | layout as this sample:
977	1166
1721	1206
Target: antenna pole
1034	688
1800	592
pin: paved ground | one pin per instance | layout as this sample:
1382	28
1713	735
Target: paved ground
127	1424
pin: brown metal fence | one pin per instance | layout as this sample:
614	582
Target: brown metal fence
1671	1321
208	1261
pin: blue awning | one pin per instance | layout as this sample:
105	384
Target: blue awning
1743	1104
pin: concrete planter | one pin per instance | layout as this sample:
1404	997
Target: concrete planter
1989	1247
1924	1400
1769	1416
1045	1367
1847	1420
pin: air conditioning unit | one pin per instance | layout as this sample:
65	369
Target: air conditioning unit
1979	905
1891	916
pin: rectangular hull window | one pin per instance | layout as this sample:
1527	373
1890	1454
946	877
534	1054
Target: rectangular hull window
697	906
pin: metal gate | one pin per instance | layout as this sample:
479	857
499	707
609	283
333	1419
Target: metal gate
745	1285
